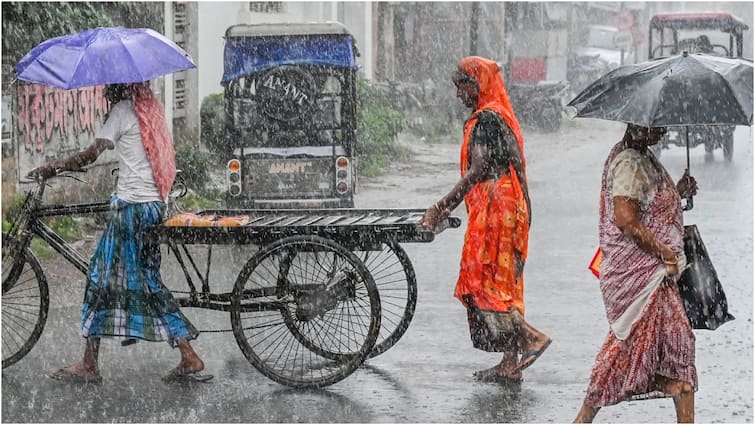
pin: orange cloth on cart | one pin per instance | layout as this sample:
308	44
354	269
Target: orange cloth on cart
189	219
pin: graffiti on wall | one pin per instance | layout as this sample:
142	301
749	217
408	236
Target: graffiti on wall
48	116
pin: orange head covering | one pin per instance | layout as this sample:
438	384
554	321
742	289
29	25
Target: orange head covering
492	92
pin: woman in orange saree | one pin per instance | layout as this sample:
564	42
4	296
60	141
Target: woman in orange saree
493	187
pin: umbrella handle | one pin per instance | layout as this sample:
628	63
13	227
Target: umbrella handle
688	206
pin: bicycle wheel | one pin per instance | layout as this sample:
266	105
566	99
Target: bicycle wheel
397	284
305	311
25	301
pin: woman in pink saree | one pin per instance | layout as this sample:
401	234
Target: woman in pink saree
650	348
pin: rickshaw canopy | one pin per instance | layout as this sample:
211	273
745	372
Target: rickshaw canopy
254	48
698	20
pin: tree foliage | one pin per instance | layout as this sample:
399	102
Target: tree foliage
378	127
212	117
26	24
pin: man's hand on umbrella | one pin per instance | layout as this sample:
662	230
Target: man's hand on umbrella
687	185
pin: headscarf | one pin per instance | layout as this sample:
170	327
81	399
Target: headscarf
158	143
492	93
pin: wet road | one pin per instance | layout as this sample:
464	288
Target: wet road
427	375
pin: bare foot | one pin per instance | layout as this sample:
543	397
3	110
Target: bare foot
191	364
539	344
671	387
77	373
190	361
188	369
535	351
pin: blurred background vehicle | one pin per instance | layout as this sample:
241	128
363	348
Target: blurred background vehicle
713	33
290	105
535	70
599	40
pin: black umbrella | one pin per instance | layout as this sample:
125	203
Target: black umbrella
681	90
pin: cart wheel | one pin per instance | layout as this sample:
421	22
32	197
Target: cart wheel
25	301
305	311
397	284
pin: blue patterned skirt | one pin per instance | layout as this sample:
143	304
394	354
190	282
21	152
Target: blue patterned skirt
125	295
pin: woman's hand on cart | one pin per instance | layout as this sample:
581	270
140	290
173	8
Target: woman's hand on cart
434	215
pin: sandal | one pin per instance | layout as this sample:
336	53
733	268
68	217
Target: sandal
66	375
492	375
530	357
179	375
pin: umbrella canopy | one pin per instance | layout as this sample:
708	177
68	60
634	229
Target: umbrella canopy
102	56
680	90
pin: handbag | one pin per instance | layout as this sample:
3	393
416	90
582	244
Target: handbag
702	293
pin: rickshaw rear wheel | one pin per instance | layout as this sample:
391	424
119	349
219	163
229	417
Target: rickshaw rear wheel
25	301
305	311
397	283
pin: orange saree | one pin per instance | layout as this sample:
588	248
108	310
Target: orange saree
498	229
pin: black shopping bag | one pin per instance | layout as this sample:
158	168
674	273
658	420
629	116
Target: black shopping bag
703	295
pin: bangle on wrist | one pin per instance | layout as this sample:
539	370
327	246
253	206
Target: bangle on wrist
672	261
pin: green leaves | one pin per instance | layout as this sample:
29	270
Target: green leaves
26	24
194	165
212	118
378	126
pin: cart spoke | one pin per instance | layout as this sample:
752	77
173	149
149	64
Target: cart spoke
329	315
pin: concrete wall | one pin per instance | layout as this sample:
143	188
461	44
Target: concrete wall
215	17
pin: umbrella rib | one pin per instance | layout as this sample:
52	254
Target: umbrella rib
75	68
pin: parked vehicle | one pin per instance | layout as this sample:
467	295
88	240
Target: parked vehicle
582	70
595	55
539	104
535	65
290	108
598	40
713	33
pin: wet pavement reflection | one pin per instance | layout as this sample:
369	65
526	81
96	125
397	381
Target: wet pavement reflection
427	376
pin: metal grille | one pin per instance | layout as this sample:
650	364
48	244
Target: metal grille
266	6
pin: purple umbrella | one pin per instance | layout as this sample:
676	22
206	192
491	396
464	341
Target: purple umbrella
102	56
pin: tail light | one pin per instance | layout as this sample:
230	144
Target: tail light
343	175
233	177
